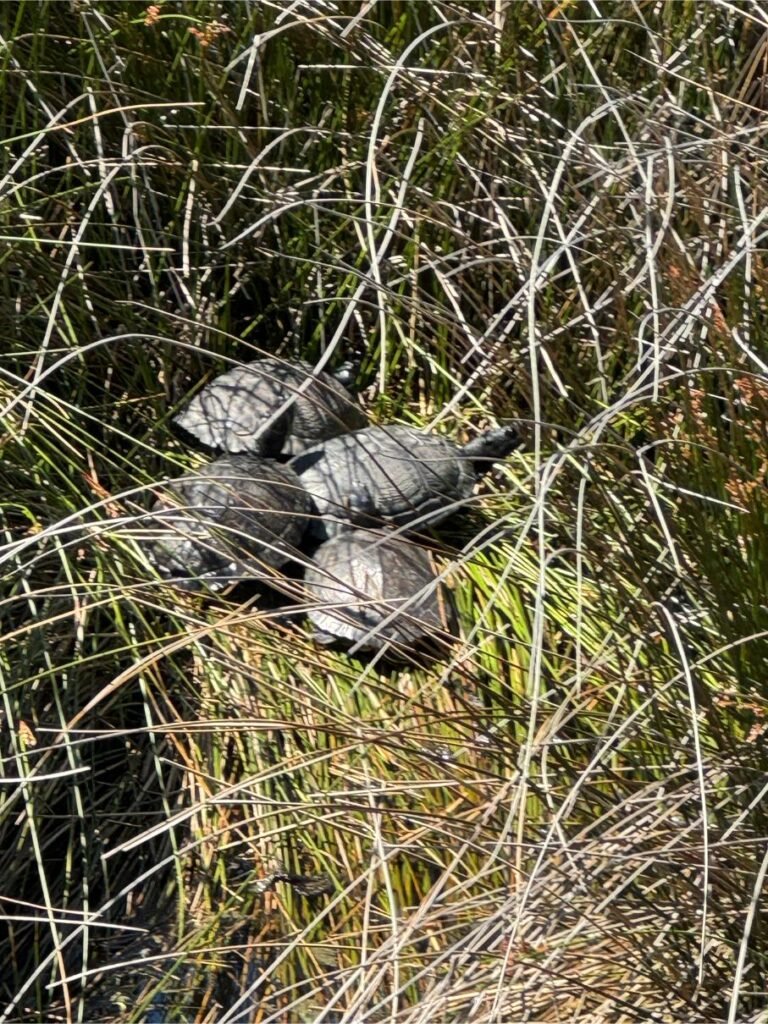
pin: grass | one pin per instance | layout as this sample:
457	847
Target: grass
545	213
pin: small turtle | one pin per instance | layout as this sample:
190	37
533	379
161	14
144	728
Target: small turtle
372	589
269	407
394	474
232	519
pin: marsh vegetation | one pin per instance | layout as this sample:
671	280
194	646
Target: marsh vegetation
547	214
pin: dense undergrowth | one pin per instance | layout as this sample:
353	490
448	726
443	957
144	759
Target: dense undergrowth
552	214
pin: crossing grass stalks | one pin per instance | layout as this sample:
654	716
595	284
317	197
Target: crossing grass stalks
549	214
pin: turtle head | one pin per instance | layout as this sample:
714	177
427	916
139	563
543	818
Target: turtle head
490	447
346	374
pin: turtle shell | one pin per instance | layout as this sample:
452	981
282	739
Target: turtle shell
270	406
394	474
234	518
369	588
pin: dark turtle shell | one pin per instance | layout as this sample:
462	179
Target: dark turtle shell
269	407
394	475
369	588
234	518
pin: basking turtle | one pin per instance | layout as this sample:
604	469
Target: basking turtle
369	588
270	406
234	518
394	475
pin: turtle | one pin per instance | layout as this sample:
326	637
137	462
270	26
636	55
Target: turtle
237	517
271	406
394	475
371	588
